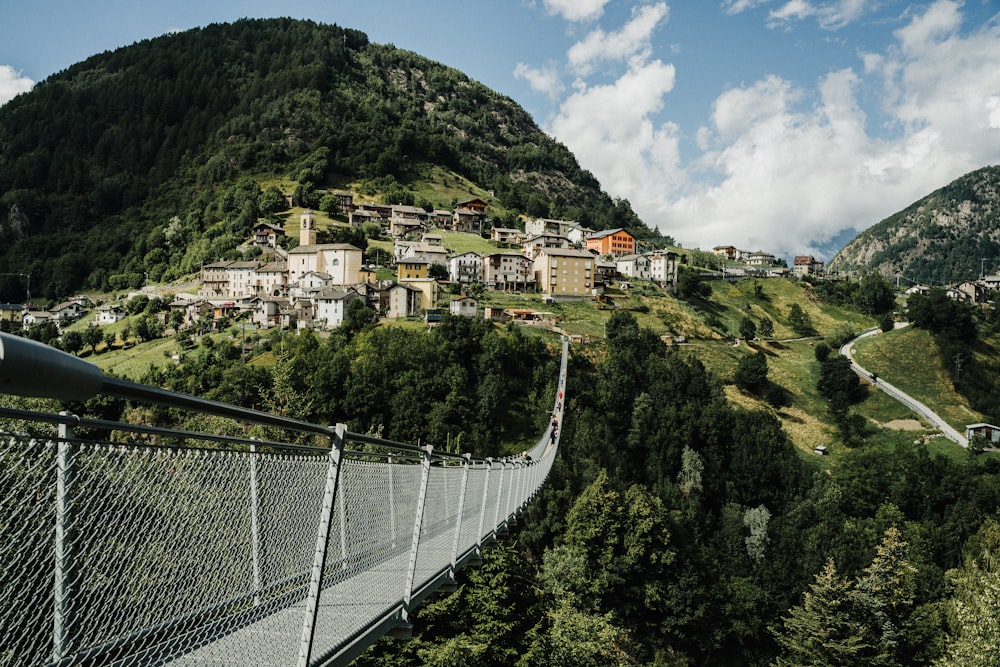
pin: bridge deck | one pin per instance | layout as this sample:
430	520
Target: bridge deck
346	608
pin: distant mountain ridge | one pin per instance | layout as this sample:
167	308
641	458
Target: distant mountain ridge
151	158
952	234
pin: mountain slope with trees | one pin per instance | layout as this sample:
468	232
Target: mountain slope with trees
162	155
941	239
675	528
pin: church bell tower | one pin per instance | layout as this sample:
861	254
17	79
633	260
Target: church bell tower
307	228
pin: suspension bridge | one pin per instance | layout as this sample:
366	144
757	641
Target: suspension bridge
131	544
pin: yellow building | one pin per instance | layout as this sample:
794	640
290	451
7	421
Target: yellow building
11	312
409	268
565	272
428	291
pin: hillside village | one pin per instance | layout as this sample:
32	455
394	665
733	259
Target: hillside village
312	285
741	479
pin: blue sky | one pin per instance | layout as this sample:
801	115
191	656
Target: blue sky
782	125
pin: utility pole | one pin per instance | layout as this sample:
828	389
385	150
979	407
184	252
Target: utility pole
982	265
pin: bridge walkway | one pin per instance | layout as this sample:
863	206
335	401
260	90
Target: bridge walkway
169	551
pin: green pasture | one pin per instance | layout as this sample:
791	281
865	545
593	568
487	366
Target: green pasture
730	302
908	359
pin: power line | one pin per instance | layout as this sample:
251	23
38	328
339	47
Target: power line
982	265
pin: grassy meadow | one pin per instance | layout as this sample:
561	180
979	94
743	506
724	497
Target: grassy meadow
908	358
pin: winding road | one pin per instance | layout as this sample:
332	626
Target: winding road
922	410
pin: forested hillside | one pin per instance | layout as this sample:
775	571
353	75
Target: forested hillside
679	530
675	528
160	156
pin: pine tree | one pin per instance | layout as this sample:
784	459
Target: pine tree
884	597
975	613
822	631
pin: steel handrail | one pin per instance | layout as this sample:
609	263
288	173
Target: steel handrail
32	369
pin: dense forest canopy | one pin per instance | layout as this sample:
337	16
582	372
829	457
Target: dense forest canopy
675	528
679	530
158	157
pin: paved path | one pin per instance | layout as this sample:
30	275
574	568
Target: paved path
949	432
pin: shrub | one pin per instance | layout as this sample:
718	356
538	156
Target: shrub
751	372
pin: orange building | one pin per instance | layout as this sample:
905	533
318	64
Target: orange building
612	242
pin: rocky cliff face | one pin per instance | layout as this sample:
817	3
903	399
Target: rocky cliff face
951	235
16	224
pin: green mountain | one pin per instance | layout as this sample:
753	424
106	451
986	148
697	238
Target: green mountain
160	156
951	235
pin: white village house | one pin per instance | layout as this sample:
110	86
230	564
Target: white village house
331	305
633	266
466	267
463	306
404	301
109	314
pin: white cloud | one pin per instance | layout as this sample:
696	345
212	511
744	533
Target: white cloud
783	171
941	80
737	6
829	15
576	10
633	40
12	84
543	80
785	167
791	175
737	111
993	110
939	21
610	128
793	9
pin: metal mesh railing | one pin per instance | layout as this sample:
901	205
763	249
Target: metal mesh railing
237	552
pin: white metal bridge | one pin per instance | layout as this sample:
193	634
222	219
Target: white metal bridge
124	544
